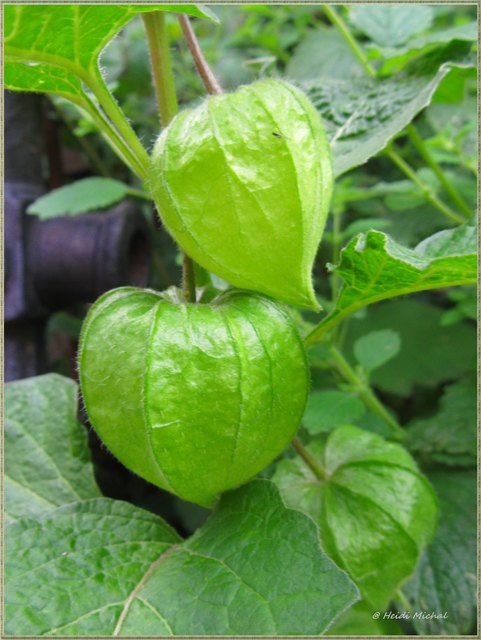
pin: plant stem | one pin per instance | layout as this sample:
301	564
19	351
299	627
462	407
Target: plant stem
309	459
337	21
138	193
118	119
425	188
112	137
188	278
366	394
423	151
203	69
164	85
162	75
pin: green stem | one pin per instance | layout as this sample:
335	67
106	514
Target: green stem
118	119
112	137
423	151
366	394
425	188
309	459
164	85
138	193
337	21
188	278
162	75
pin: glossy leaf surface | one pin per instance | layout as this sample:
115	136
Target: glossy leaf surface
196	399
243	183
47	460
375	510
102	567
373	268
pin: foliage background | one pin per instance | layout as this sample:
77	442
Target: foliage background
425	375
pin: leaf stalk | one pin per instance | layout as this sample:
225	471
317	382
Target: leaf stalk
164	86
161	66
203	69
423	151
425	188
366	393
309	459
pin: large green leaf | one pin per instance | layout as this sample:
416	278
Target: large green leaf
374	509
362	620
391	25
445	580
55	48
373	267
362	115
101	567
47	460
449	436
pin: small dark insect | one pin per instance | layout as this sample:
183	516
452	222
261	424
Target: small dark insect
277	135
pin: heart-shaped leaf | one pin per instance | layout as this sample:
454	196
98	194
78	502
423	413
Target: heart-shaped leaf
375	510
101	567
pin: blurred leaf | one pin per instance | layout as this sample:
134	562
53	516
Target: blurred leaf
391	25
365	224
449	436
376	348
374	509
373	268
467	32
362	115
461	241
250	570
445	579
327	410
47	459
323	52
431	354
81	196
359	621
466	306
